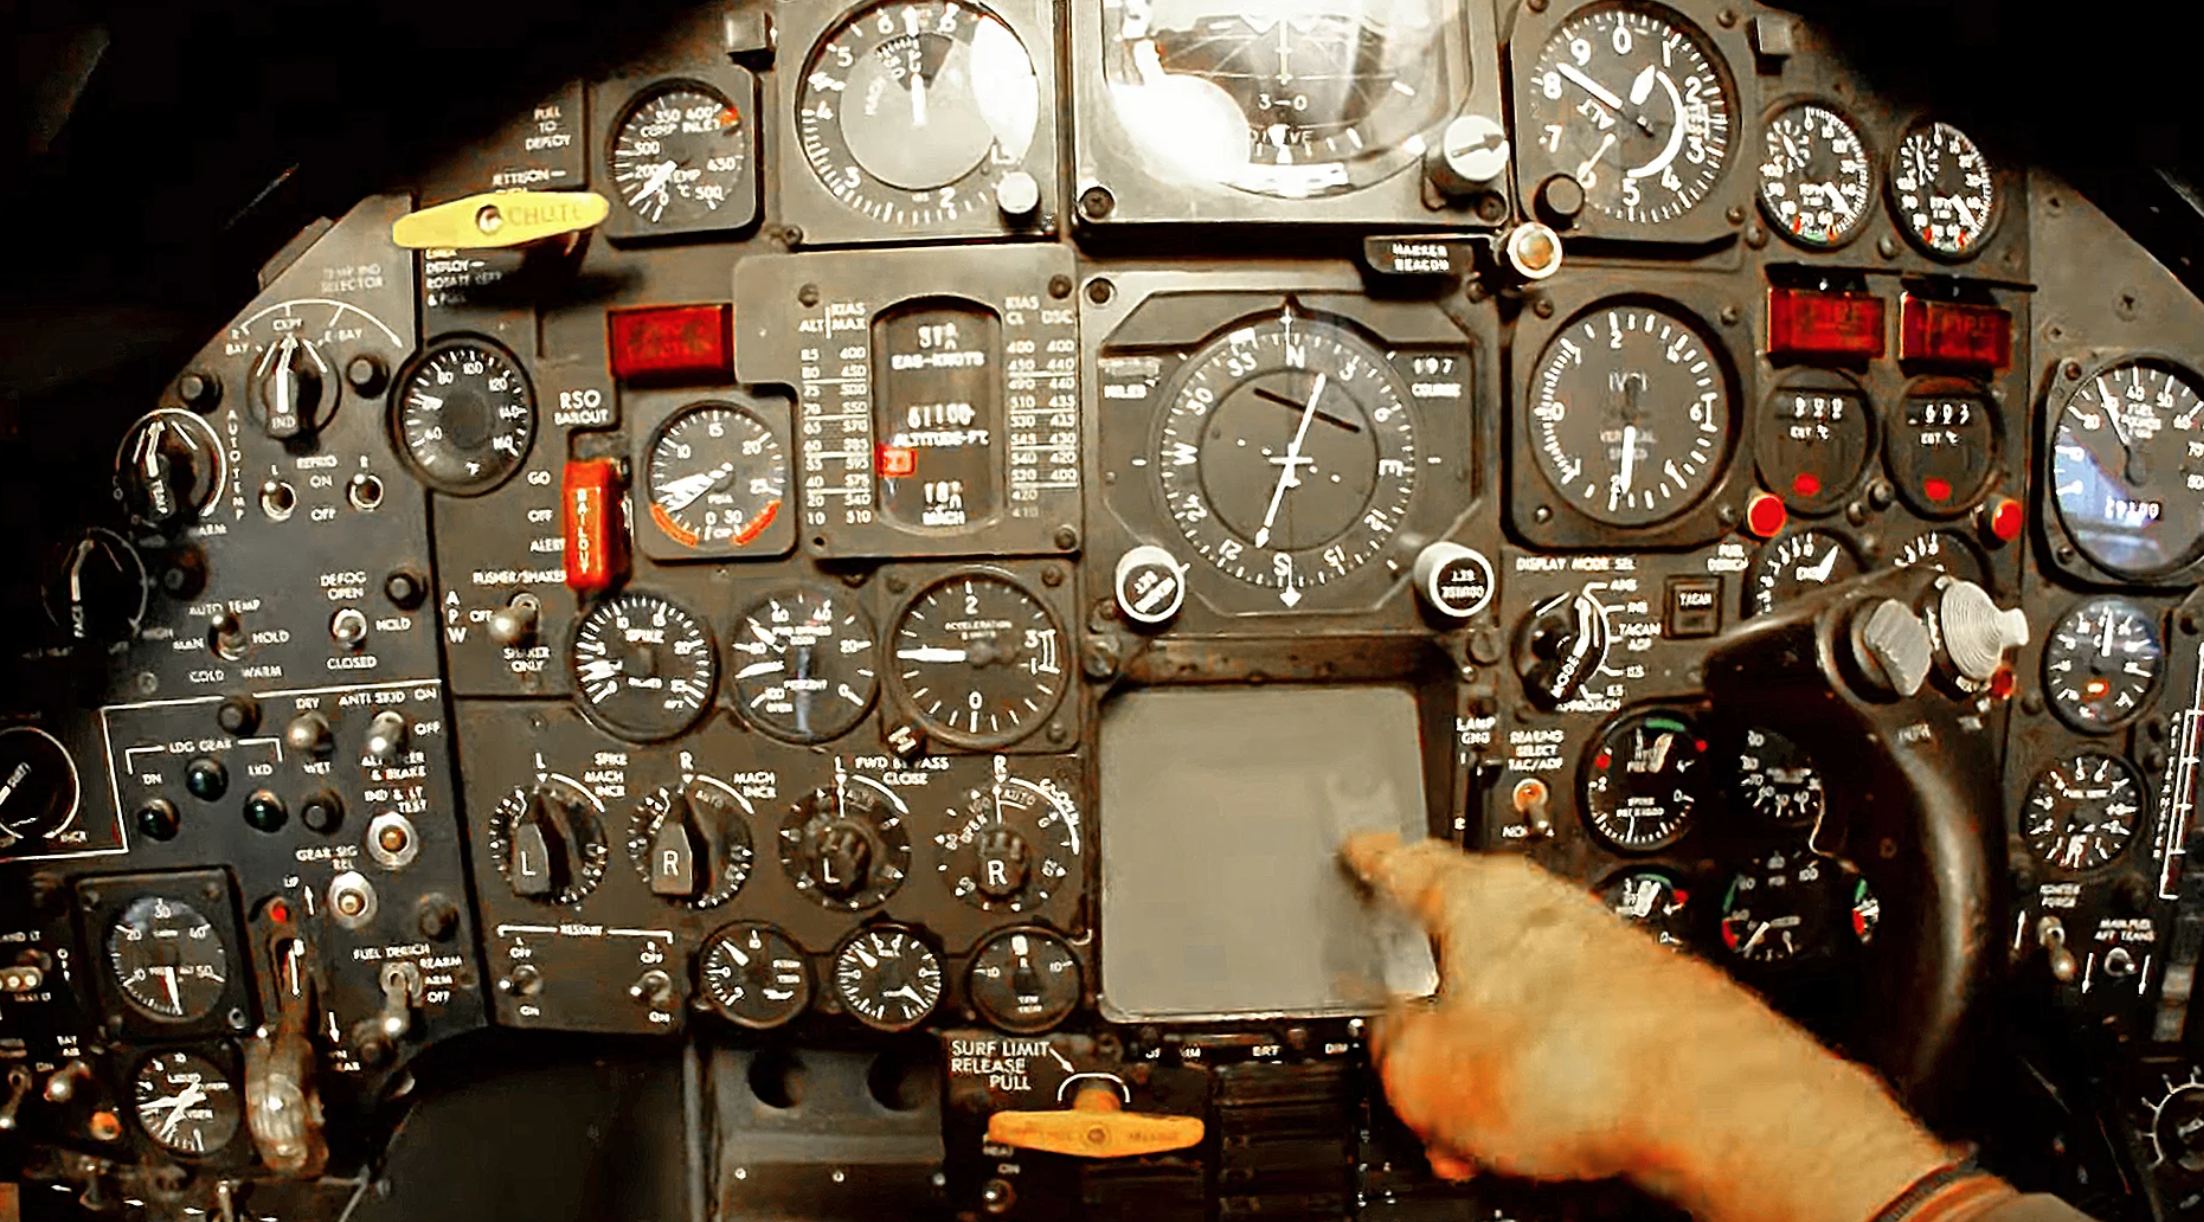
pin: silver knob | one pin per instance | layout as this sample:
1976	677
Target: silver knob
1455	581
1151	585
1892	646
386	735
1471	155
1018	196
514	624
1977	632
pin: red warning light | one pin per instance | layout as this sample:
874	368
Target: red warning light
1765	515
1806	486
1936	489
1952	333
690	343
898	462
1811	324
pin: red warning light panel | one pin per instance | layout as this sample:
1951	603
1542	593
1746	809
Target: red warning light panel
690	344
1805	323
1954	333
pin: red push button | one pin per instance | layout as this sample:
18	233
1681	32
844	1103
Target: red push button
2002	521
595	556
1765	515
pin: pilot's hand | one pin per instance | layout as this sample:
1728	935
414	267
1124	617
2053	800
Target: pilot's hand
1565	1044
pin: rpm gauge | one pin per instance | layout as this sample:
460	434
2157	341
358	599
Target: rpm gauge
1287	453
679	155
1942	190
1629	415
716	478
1816	180
979	661
1632	102
2128	468
465	416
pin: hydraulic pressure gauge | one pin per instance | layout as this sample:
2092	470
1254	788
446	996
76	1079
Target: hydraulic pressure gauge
2127	465
1943	191
804	667
1817	183
1643	781
464	416
2083	811
679	156
978	660
887	978
167	959
644	666
2103	663
716	479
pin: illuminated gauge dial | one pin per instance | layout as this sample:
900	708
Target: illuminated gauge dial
96	587
1945	552
1797	565
1943	449
2127	465
690	844
167	960
912	111
644	666
716	478
1642	782
2102	664
979	661
171	468
1025	981
1815	438
1788	905
1629	415
679	156
2082	811
465	416
1296	104
1653	901
1631	102
39	786
803	665
939	416
1817	183
1010	844
1942	190
847	846
548	840
1287	453
185	1103
887	978
1778	780
753	976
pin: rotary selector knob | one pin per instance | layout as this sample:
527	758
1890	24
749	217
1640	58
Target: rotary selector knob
1560	645
1455	581
171	468
1151	585
846	846
1471	155
292	388
549	843
841	860
690	844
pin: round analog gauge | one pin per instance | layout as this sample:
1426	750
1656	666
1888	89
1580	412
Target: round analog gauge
548	841
1778	780
887	978
1814	441
679	155
1631	101
2128	468
912	111
753	976
645	667
465	416
1942	190
167	959
979	661
1010	844
2103	663
2082	812
1790	904
1653	901
39	786
690	844
1943	449
803	665
171	468
1293	102
1641	785
1946	552
1024	981
1797	565
846	846
716	478
185	1103
1629	415
1287	453
1816	181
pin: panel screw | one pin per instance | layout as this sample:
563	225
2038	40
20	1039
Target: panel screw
1736	215
2032	703
896	584
1726	18
1886	246
1730	315
1066	538
2188	622
1059	287
2072	369
200	391
1058	733
808	295
1542	514
1543	307
1728	515
1537	6
792	235
1096	203
1099	291
1756	237
1491	209
1099	659
1052	577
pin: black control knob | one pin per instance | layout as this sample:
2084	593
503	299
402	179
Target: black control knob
539	867
1560	201
97	586
545	839
1561	644
291	388
675	853
39	785
171	468
841	862
1005	862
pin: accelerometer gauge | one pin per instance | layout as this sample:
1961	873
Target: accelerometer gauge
690	844
644	666
548	840
464	415
1817	183
2103	663
804	667
1635	104
679	156
846	845
167	960
1946	552
913	111
1943	448
1642	783
1778	780
171	468
1942	190
887	978
1653	901
1295	101
1797	565
96	587
979	661
1010	844
2082	812
2127	466
1024	981
716	478
753	976
1286	453
185	1103
1815	438
1629	415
